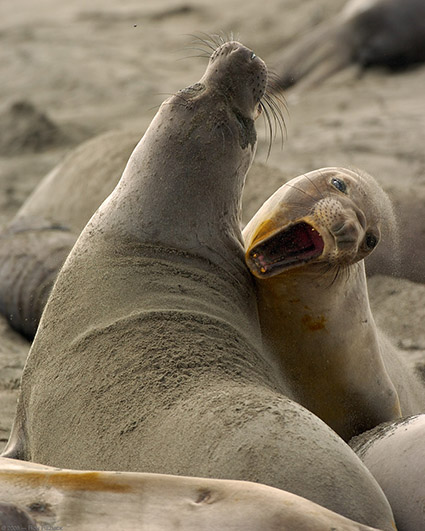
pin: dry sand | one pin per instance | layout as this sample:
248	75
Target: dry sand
70	70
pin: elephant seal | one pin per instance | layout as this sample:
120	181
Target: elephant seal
389	33
90	500
394	453
148	356
305	247
36	242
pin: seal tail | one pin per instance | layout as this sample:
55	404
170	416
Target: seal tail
313	57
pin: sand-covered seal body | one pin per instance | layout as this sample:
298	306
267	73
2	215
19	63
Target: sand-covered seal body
389	33
305	246
36	242
394	453
149	355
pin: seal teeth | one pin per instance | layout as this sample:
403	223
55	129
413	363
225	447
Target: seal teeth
294	245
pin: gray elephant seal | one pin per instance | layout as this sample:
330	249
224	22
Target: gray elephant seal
89	500
305	247
148	356
394	453
389	33
36	242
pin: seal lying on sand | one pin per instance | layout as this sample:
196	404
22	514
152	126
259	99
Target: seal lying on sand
149	356
394	453
90	500
35	244
305	247
390	33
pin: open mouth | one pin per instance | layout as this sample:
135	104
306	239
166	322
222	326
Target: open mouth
294	245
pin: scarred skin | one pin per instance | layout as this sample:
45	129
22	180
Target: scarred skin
89	500
149	354
314	306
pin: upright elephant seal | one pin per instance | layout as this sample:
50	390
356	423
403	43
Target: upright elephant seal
148	356
389	33
36	242
394	453
305	247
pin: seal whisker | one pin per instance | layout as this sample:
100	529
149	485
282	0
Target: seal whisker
211	45
299	190
205	52
279	121
268	124
315	185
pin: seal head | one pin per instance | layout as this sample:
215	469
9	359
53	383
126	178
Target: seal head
315	220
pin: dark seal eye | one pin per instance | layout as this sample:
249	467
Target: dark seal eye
371	240
339	185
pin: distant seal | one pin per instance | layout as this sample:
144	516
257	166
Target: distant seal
89	499
149	356
36	242
305	247
389	33
394	453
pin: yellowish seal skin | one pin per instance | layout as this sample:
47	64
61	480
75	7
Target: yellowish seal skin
388	33
91	500
148	356
305	247
394	453
36	242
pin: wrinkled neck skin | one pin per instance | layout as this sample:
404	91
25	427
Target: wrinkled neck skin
321	330
183	183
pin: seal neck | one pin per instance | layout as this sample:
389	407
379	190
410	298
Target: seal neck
183	184
322	334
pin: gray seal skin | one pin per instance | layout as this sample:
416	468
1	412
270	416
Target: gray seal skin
394	453
36	242
148	355
388	33
305	247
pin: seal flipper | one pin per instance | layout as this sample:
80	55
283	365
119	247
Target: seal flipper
16	447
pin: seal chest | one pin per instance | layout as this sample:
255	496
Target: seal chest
305	247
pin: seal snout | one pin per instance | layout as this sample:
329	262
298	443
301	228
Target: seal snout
238	73
346	233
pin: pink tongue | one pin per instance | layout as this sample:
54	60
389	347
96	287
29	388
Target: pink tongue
296	244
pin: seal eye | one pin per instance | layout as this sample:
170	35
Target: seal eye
371	240
253	56
339	185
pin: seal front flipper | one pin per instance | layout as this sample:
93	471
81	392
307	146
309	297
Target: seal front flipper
17	445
